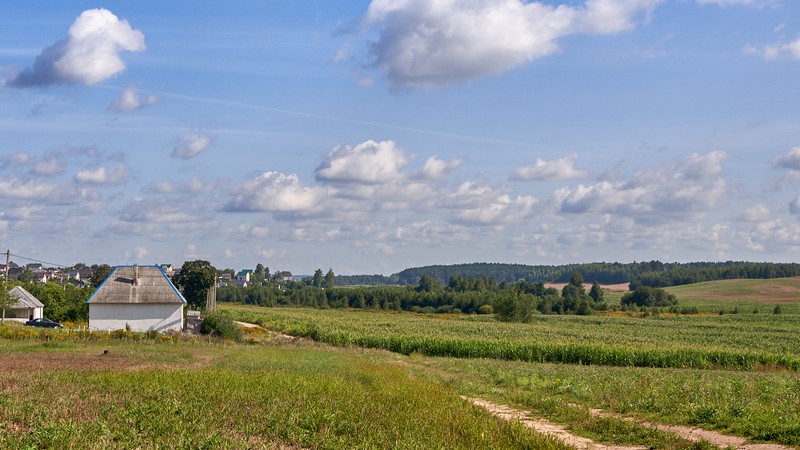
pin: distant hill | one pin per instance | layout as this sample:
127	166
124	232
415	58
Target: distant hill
651	273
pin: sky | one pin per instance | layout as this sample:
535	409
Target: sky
371	136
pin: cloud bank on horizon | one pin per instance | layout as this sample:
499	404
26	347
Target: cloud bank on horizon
497	130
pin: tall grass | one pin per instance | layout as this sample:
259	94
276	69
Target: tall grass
759	405
239	397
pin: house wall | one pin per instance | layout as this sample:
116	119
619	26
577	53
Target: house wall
24	313
139	317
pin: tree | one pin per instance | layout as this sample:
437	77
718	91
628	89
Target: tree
428	283
6	301
596	292
99	274
330	279
317	280
194	280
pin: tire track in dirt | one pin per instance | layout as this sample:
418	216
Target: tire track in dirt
693	434
544	427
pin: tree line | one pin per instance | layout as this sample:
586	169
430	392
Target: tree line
644	273
517	301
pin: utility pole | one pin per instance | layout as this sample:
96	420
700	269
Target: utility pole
8	260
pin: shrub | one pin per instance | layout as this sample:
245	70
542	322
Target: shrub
486	309
777	309
221	325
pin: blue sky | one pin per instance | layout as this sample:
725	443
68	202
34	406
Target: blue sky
372	136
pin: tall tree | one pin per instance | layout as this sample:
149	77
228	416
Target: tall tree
6	301
99	274
330	279
596	292
195	279
317	280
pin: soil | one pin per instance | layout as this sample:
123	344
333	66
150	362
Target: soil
622	287
544	427
689	433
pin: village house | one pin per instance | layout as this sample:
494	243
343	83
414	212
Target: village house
136	298
27	307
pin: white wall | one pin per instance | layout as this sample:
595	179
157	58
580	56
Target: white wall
139	317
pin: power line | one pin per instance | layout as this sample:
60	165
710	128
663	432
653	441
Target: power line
38	261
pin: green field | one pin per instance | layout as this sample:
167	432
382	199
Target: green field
735	373
162	395
730	341
746	295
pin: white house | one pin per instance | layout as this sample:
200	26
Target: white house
27	306
138	298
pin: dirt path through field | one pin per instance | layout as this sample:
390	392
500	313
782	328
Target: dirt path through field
277	334
542	426
697	434
689	433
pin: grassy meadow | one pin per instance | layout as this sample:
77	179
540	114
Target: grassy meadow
340	388
166	395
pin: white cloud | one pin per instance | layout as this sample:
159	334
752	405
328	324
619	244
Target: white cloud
275	192
789	160
689	188
369	163
101	175
560	169
140	252
27	189
89	55
190	252
49	166
131	100
501	210
191	144
777	50
430	43
436	168
757	213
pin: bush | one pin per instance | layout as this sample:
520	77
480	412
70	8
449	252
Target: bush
217	324
486	309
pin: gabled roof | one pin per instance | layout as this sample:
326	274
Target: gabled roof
24	298
137	284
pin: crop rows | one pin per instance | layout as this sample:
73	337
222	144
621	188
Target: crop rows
406	334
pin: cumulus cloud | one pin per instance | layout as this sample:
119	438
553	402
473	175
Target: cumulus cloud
191	144
560	169
436	168
131	100
275	192
89	55
757	213
27	189
789	160
101	175
50	166
503	209
677	191
424	43
370	162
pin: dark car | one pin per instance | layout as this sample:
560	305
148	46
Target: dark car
43	322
